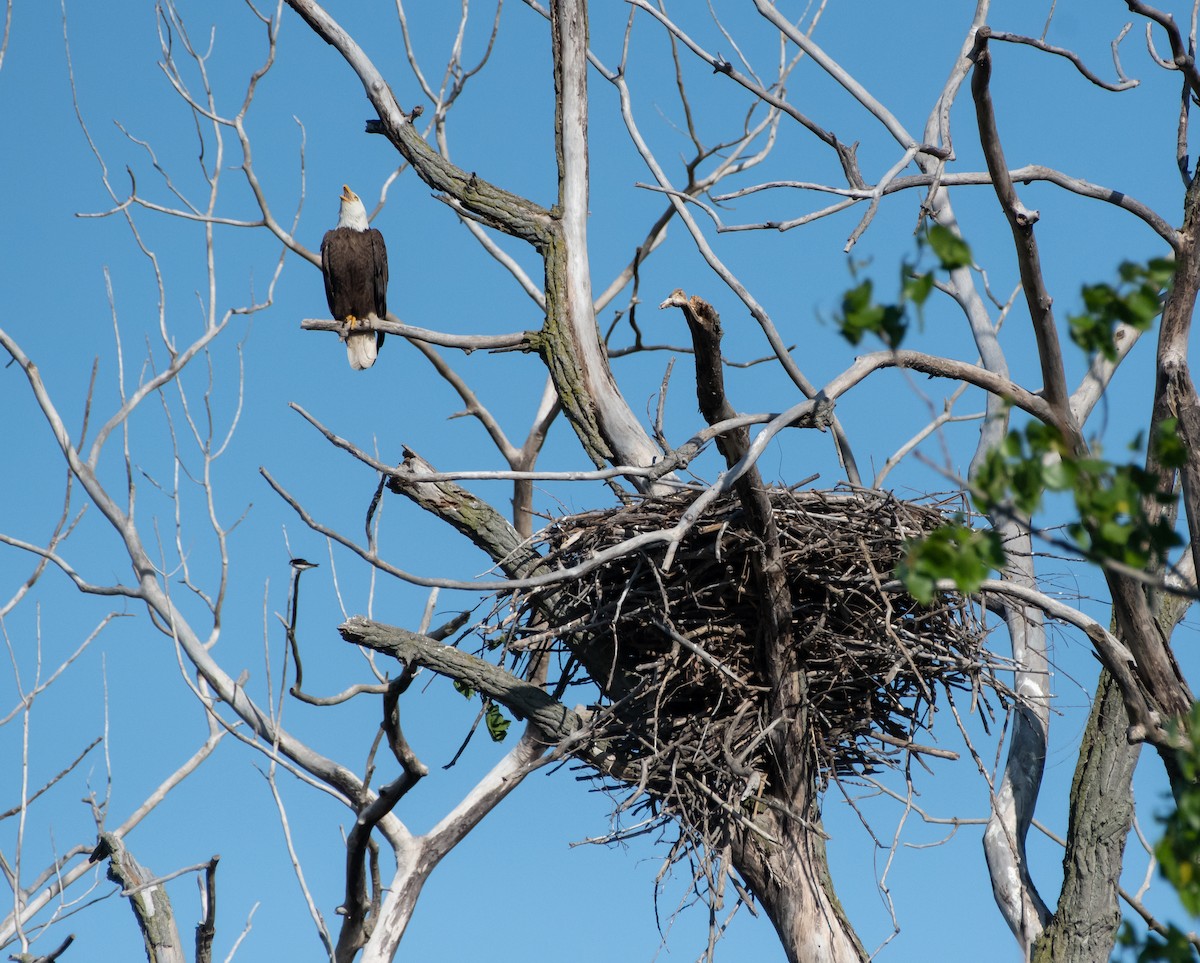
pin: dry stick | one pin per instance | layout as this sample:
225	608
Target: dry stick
1124	83
52	781
1184	61
1025	174
808	414
846	152
53	954
206	929
298	565
467	343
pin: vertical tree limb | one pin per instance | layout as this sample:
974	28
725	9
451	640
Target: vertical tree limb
791	876
206	929
573	350
1021	221
1085	924
1014	801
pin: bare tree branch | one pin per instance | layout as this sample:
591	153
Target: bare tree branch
1021	221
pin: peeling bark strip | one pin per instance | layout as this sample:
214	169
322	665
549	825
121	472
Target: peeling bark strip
150	904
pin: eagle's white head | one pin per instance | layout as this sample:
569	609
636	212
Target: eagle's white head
352	215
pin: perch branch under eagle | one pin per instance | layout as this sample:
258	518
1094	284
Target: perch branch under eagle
354	262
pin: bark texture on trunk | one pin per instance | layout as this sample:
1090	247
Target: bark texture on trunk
1085	925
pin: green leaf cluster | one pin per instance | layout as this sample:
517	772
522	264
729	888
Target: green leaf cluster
952	551
951	250
1110	499
861	314
1136	300
1167	446
497	725
1175	947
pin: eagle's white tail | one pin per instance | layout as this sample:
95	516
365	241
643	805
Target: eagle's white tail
361	350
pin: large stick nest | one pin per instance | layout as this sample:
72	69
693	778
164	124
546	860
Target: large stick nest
674	651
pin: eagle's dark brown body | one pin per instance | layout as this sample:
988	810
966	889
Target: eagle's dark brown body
355	265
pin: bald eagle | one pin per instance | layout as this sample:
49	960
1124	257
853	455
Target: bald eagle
354	262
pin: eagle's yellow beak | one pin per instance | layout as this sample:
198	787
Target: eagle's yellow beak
347	194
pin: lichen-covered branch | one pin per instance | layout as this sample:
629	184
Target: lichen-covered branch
476	519
526	701
149	901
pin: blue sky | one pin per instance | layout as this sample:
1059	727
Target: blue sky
517	888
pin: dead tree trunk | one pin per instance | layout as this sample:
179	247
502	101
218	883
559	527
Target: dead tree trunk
785	866
790	876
